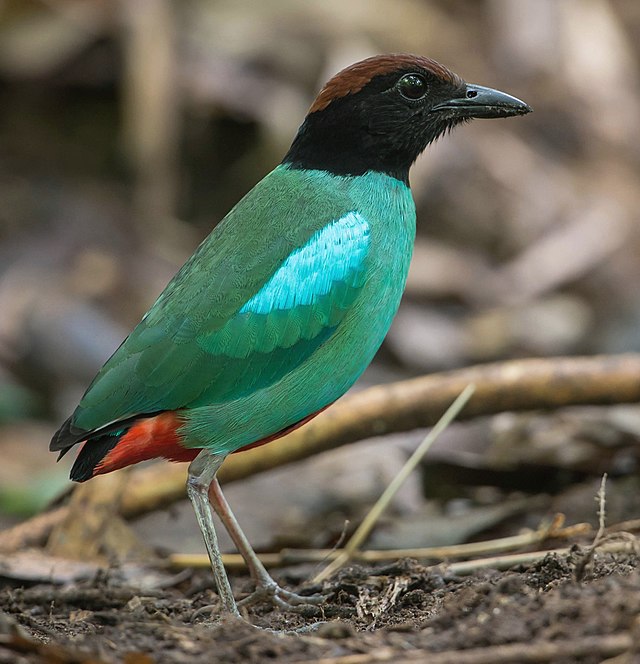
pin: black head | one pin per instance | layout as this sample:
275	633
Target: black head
381	113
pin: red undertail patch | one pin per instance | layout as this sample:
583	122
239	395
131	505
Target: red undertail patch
157	437
148	438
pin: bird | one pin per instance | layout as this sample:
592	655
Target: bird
283	306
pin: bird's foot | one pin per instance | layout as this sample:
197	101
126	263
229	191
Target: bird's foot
214	615
265	592
280	597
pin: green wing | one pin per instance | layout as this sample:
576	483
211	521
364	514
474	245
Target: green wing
269	285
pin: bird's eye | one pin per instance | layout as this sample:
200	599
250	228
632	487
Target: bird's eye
412	86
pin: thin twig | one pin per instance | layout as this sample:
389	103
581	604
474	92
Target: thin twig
296	556
363	530
553	530
511	560
624	526
585	561
601	497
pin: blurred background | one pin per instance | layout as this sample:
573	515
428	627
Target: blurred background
128	129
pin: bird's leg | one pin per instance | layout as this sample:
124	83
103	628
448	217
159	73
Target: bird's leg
266	587
202	472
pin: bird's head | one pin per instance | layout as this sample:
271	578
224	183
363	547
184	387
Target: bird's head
381	113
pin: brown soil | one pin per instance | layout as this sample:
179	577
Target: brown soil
403	612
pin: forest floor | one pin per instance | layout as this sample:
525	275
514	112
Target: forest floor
402	612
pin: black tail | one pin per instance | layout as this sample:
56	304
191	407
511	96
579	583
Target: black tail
99	443
92	453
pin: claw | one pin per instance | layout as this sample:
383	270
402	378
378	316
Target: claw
297	600
208	609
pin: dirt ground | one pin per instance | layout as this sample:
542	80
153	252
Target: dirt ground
403	612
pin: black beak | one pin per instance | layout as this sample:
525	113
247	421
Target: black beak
481	102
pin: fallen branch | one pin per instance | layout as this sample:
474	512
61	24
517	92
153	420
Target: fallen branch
534	384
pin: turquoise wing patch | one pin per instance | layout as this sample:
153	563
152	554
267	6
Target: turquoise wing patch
311	271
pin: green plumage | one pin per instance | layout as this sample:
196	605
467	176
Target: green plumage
239	375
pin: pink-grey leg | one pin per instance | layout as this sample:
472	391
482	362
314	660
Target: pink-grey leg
266	587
